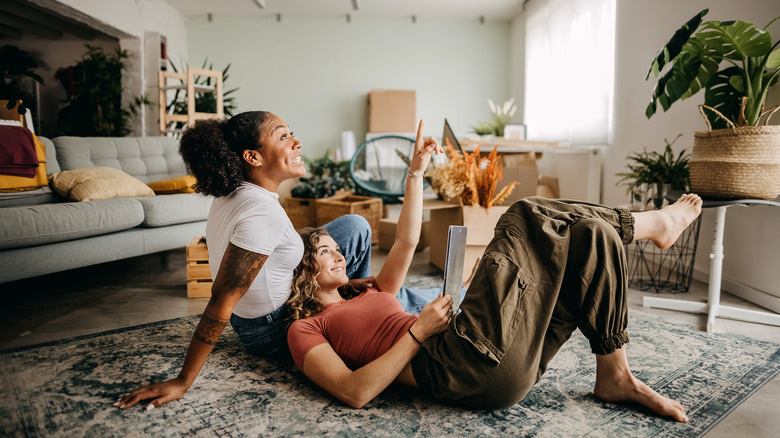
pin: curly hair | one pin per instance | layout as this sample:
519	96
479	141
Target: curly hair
213	150
302	302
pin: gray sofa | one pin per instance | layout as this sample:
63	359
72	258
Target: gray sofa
45	233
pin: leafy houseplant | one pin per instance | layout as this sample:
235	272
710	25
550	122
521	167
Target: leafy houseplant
326	177
15	66
501	116
658	171
694	56
94	104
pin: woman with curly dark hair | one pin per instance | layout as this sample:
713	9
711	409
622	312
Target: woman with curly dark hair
553	267
253	247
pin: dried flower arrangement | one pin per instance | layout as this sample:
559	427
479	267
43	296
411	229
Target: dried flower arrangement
469	178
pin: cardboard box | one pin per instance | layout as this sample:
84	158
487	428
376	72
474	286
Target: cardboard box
548	187
387	227
521	168
392	111
480	222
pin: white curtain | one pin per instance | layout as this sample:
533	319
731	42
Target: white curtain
569	70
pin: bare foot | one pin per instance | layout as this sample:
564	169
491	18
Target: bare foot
664	226
628	388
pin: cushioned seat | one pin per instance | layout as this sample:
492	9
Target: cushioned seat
160	211
49	223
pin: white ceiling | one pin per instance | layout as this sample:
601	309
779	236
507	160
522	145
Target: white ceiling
422	9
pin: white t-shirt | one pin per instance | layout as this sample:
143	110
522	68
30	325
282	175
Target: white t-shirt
252	219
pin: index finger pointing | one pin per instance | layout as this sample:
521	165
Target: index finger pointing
419	141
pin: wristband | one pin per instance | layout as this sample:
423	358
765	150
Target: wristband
415	175
415	338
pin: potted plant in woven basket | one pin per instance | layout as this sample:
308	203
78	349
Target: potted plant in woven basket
735	64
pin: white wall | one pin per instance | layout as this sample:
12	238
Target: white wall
752	236
316	73
138	16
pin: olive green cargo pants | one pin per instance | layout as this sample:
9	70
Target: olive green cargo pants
552	267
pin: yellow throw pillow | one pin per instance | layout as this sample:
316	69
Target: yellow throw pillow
182	184
93	183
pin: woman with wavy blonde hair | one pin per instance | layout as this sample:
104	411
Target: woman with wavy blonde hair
552	267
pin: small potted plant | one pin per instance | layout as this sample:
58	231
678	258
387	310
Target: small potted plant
501	115
15	66
735	64
651	174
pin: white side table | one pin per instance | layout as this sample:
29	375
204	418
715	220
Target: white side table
712	308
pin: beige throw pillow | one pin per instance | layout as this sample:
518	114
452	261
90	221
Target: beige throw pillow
93	183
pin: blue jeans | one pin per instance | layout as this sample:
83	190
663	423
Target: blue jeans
413	300
352	233
266	336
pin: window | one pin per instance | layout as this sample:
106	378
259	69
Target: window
569	73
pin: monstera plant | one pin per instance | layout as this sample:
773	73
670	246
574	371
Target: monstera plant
733	61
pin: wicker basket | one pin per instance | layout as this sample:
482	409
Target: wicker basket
301	211
737	162
337	206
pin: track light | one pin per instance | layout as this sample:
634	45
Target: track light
355	5
260	4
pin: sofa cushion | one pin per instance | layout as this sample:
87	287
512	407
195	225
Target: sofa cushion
181	184
94	183
52	166
145	158
48	223
179	208
42	195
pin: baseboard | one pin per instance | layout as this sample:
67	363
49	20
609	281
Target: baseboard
756	296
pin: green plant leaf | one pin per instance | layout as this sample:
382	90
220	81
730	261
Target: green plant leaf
737	40
675	83
722	96
675	45
773	61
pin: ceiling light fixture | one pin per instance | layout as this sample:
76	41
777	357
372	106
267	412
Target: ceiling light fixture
260	4
355	5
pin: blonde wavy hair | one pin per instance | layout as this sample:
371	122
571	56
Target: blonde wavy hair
302	302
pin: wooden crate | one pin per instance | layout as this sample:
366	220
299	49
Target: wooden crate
198	272
366	206
301	211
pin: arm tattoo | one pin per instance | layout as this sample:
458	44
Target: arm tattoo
209	328
241	268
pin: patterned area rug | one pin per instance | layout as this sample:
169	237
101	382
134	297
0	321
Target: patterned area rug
66	388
